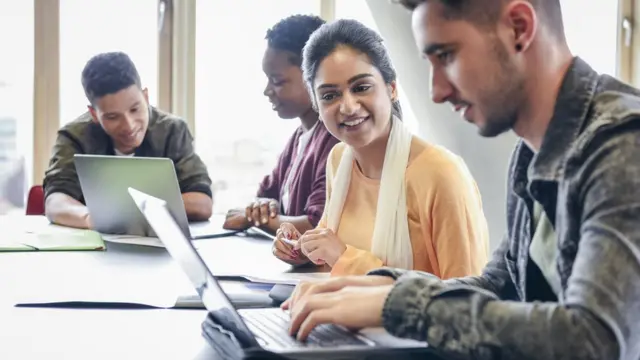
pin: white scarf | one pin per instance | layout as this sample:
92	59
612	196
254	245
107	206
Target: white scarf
391	241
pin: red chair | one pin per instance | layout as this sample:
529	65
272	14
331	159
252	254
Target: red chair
35	201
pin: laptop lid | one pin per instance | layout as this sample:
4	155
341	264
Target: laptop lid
105	180
183	252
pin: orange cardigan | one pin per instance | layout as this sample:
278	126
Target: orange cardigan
449	233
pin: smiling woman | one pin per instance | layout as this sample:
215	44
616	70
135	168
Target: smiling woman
392	199
360	10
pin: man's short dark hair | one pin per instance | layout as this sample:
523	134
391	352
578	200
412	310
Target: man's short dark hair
108	73
291	34
486	12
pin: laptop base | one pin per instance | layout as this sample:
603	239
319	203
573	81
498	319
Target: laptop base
225	344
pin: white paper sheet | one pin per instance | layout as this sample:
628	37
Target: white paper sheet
283	278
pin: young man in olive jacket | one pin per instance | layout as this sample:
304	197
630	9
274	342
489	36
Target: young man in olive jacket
120	122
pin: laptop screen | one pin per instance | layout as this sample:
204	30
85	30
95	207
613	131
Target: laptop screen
183	252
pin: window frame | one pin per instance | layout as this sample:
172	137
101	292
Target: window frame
629	42
46	84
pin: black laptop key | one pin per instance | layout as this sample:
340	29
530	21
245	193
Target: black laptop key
323	335
260	328
276	323
331	335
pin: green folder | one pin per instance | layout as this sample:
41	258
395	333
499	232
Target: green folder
52	238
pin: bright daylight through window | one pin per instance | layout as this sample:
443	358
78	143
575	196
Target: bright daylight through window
592	29
359	10
238	135
83	35
16	102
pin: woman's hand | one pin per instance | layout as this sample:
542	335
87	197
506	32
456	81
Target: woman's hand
283	245
261	210
321	246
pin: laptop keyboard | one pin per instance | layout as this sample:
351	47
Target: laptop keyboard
272	326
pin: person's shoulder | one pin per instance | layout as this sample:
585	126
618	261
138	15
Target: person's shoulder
434	165
614	112
322	133
425	154
322	142
83	130
335	155
613	102
79	125
165	122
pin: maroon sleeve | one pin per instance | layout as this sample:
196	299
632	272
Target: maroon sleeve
316	200
271	184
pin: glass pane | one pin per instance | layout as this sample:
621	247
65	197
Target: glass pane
16	103
237	133
359	10
91	27
592	30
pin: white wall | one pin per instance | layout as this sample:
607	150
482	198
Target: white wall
487	158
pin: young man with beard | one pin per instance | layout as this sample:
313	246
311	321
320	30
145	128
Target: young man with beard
565	281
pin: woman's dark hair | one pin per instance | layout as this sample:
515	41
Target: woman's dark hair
291	33
351	33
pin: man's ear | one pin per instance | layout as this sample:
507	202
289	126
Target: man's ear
92	111
522	20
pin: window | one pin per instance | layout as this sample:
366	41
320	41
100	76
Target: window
238	135
592	29
16	102
91	27
359	10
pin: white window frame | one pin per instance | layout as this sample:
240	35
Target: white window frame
629	41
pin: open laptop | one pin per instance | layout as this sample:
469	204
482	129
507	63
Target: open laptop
265	329
105	179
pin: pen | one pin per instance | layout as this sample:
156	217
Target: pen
289	242
266	234
262	232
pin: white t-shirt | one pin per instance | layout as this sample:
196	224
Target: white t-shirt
118	153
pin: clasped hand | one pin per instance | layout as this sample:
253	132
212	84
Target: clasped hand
256	213
321	246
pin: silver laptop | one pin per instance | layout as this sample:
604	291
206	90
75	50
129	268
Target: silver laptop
266	328
105	179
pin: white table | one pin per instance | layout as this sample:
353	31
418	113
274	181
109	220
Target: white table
70	334
52	333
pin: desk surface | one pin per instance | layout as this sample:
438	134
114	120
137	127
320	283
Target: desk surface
28	333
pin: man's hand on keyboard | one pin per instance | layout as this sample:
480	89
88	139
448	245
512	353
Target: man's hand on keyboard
352	307
308	288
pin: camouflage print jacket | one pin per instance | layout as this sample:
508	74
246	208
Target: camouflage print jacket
586	176
167	136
